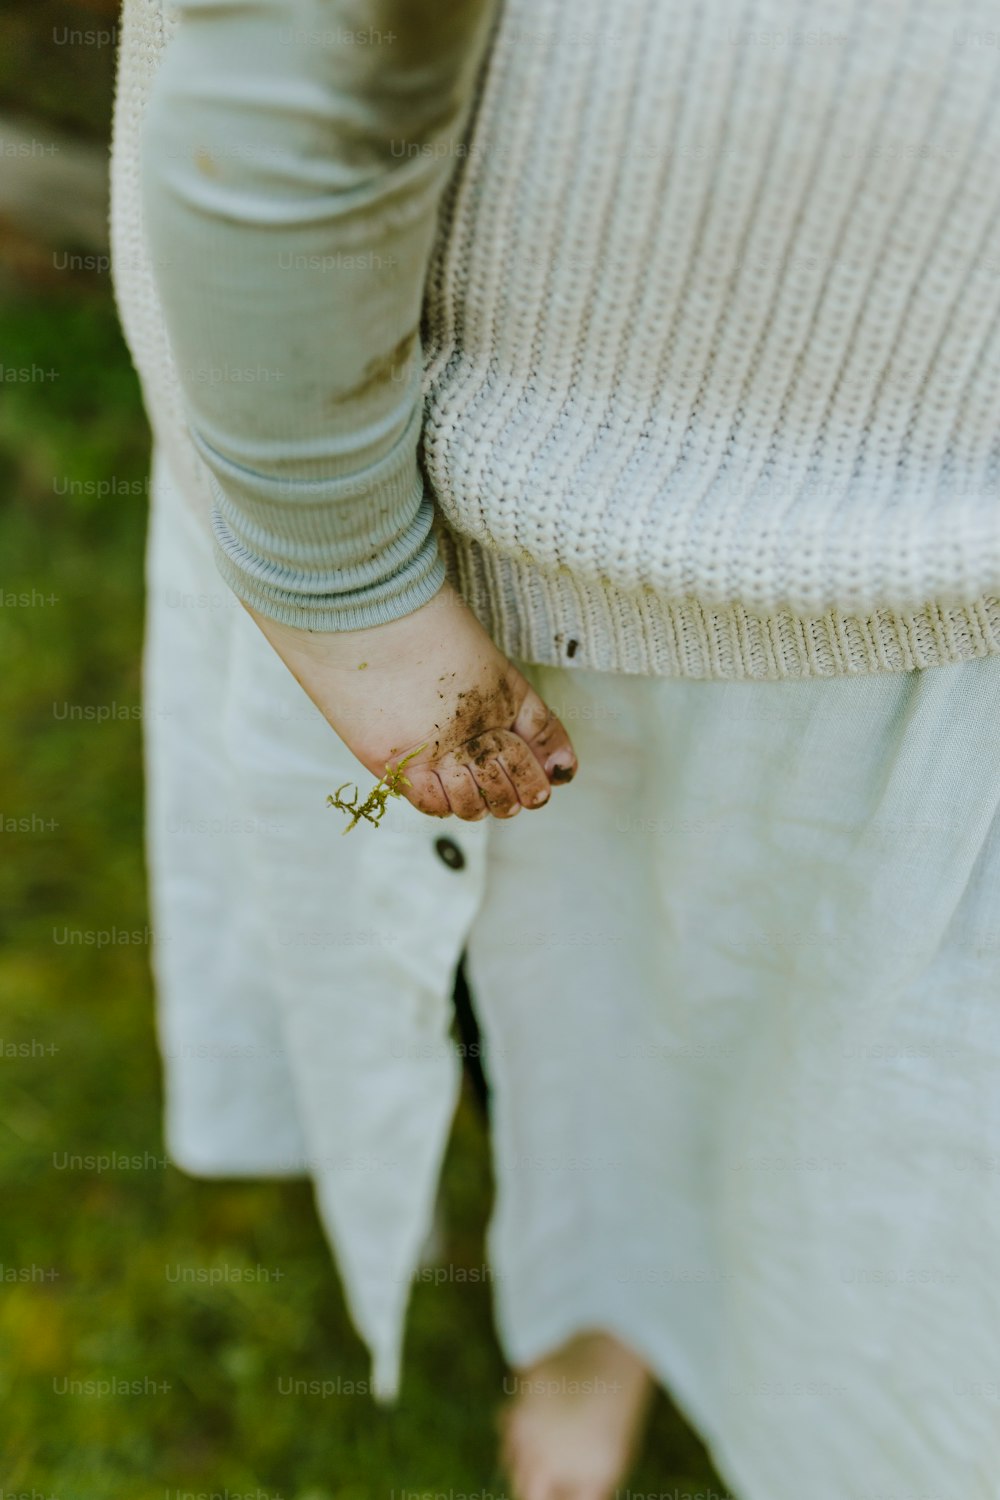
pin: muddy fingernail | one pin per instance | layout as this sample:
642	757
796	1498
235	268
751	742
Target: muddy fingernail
560	768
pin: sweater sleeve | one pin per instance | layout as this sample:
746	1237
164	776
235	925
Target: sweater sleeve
294	153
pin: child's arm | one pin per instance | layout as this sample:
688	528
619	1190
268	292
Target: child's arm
294	154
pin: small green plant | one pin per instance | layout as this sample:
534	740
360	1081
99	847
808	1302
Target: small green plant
372	809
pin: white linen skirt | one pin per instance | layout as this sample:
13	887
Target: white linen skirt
739	987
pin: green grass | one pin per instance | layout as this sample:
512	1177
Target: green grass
108	1308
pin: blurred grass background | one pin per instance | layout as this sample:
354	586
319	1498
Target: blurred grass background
86	1292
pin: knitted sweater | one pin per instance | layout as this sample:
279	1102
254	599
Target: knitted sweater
710	373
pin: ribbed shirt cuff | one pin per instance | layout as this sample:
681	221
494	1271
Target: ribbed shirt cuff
336	554
326	605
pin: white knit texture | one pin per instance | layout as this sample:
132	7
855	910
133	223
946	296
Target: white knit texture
712	334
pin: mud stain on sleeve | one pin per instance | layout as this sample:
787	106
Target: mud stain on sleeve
380	370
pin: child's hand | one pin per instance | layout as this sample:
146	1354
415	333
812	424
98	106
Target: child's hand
433	678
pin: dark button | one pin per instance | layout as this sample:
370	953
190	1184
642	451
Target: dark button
450	853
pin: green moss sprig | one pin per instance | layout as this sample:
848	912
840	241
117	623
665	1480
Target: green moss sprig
372	809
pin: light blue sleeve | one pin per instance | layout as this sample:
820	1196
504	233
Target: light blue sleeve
294	153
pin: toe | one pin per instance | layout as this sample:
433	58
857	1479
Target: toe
427	794
497	788
539	727
526	775
480	754
462	792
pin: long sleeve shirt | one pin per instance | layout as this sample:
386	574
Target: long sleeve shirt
294	153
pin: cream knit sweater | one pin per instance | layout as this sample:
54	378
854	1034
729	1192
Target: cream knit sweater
711	333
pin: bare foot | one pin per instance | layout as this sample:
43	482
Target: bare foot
571	1431
433	683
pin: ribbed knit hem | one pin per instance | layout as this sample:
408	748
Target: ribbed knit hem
564	620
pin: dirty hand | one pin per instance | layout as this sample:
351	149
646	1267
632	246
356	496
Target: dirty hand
434	679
